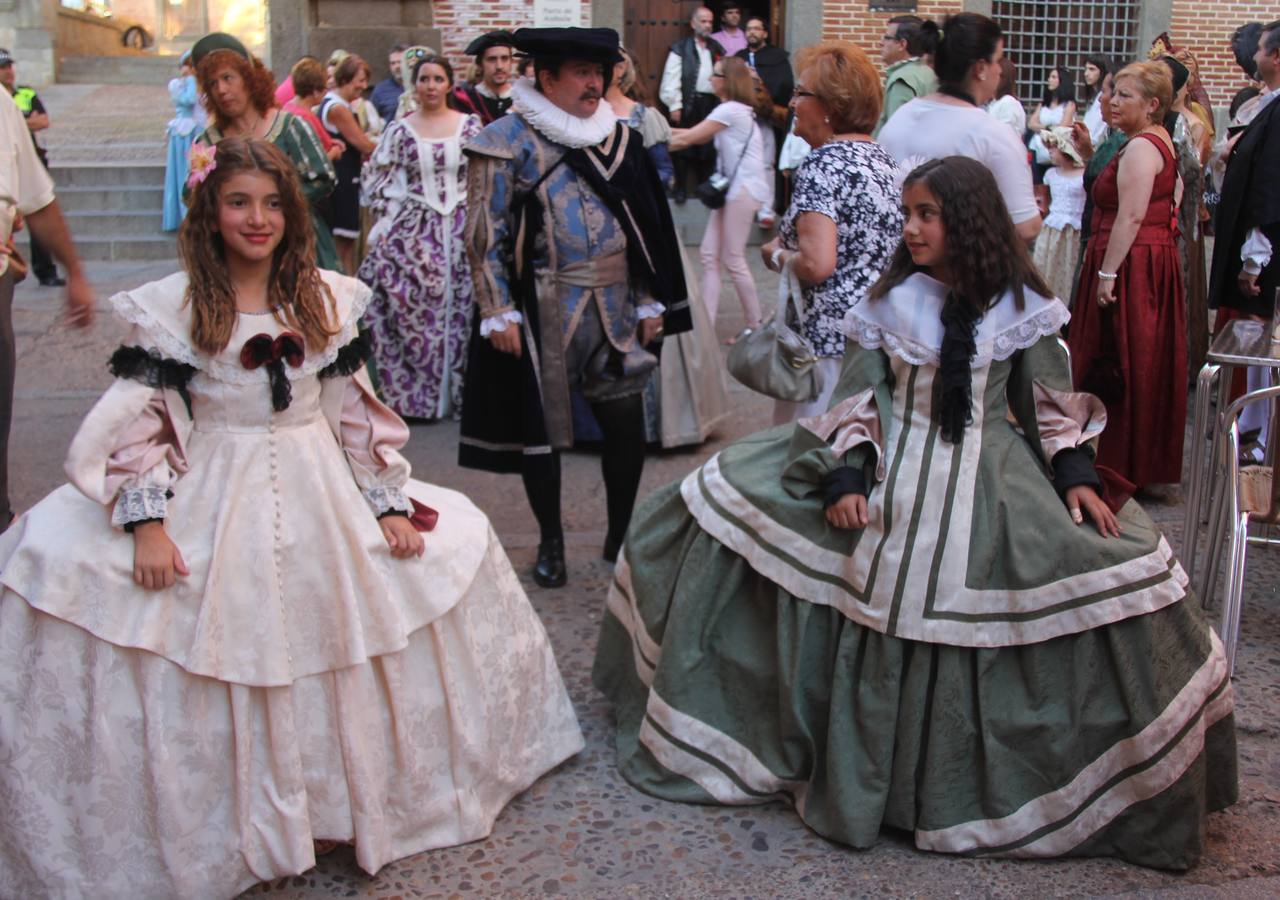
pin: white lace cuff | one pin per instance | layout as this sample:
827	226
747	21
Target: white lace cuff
1255	253
654	310
138	505
499	322
384	499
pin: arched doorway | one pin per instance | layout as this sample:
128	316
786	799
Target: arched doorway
652	26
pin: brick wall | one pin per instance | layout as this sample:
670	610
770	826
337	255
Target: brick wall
1205	29
462	21
850	20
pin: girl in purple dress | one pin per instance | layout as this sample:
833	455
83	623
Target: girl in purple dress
416	185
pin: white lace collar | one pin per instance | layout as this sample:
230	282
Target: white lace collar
907	323
485	91
559	126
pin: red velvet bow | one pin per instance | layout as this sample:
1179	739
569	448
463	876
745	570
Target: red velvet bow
262	350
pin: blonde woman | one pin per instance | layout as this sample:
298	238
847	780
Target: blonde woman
740	160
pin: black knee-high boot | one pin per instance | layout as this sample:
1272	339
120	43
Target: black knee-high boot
622	462
542	487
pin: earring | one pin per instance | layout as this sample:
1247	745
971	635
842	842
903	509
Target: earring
826	120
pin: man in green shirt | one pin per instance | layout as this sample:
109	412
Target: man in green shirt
908	76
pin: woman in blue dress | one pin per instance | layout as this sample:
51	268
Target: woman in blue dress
180	133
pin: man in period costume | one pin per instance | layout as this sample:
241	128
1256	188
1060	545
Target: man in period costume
1246	271
773	65
576	271
687	91
490	97
908	76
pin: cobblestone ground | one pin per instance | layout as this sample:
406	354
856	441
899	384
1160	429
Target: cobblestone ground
584	832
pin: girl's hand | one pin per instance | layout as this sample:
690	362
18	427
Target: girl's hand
850	511
1106	292
402	537
156	559
767	251
1082	501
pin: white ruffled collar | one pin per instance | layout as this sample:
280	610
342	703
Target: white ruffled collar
907	323
158	311
555	124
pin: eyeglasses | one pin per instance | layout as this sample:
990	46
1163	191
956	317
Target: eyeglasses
798	93
891	37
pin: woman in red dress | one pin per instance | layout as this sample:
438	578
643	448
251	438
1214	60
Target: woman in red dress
1128	337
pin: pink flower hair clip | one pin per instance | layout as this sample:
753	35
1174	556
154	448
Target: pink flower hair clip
202	160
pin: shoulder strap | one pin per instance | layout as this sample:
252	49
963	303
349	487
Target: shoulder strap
745	146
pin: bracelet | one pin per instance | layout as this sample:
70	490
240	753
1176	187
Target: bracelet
1107	276
775	260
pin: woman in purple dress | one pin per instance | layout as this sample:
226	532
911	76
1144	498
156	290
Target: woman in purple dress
416	185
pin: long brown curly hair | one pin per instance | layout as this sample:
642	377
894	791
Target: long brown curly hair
297	296
985	254
257	80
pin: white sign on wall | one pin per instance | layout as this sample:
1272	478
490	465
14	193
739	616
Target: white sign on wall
559	14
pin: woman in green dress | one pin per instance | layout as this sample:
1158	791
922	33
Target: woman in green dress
241	99
910	611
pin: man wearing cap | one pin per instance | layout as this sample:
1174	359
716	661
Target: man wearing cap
26	189
730	37
33	111
490	99
576	271
687	91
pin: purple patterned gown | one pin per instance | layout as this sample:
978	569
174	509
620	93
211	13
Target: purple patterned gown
420	314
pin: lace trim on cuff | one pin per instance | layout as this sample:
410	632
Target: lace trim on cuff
385	498
139	505
499	322
653	310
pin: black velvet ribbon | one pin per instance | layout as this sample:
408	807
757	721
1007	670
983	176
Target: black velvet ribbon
261	350
955	372
153	370
350	358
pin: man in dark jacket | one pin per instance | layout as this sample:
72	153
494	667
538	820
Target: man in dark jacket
1245	275
490	97
687	92
773	65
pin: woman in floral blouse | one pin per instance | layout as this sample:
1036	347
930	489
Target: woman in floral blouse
844	220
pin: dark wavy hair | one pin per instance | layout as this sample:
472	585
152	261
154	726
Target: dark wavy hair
985	257
1066	90
257	80
296	295
1104	66
961	41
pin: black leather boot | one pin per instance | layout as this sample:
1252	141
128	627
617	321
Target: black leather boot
549	571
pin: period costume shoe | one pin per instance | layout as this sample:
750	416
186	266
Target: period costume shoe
549	571
611	547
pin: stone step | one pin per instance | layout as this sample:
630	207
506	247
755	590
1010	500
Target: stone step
114	223
111	175
154	247
90	198
135	70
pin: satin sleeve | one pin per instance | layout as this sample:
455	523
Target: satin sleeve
371	435
490	186
127	453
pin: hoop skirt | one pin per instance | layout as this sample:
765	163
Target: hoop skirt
299	683
971	667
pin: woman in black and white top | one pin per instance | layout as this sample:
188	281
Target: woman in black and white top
845	218
740	157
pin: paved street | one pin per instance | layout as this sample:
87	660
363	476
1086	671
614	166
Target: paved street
584	832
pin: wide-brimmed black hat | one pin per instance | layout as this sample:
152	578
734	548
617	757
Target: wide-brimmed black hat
218	40
482	44
594	44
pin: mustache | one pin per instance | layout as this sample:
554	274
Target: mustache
591	95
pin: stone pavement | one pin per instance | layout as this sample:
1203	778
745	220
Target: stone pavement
584	832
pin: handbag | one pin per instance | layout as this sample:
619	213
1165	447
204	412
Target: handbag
774	360
715	190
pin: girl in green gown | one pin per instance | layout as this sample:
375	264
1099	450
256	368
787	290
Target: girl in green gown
916	610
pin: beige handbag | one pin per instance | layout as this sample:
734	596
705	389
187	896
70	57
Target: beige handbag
773	359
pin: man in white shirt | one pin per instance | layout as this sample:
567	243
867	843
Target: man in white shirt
730	36
688	95
27	190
